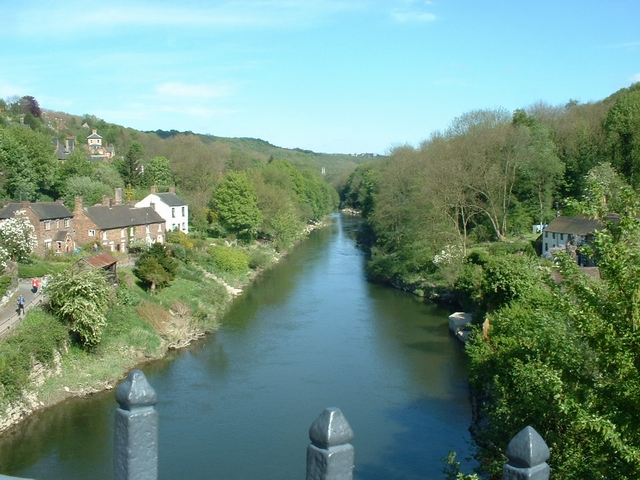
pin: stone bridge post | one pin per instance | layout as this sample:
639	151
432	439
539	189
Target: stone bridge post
136	429
330	455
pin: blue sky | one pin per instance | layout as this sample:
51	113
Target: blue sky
335	76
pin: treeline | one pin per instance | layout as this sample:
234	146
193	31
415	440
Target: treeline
553	346
489	176
234	186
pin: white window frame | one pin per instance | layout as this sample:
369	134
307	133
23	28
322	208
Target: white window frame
92	233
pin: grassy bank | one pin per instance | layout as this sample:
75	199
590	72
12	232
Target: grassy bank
41	364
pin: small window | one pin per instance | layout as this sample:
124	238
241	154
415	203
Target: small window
132	231
546	234
562	236
123	233
553	235
546	247
173	212
183	211
148	228
66	222
47	244
183	228
159	227
57	223
47	224
104	235
92	233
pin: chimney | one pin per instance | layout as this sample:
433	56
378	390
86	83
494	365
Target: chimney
154	190
25	205
152	205
105	200
94	131
172	189
78	206
119	196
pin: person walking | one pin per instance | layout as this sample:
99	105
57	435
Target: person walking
20	305
34	285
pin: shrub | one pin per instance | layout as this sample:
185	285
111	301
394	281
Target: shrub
260	259
229	259
5	282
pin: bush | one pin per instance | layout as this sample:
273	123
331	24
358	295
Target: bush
5	282
37	337
260	259
503	248
229	259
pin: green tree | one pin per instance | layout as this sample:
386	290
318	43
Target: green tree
158	172
131	173
622	126
156	267
236	204
80	298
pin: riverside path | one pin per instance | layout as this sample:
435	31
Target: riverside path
9	312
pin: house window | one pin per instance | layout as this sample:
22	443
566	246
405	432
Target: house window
47	224
173	212
57	223
66	223
546	247
562	236
47	243
148	229
183	226
92	233
183	211
553	235
132	231
546	234
123	233
104	235
159	227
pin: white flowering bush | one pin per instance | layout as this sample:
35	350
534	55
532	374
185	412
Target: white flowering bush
449	254
4	256
18	236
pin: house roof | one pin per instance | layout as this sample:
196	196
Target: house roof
101	260
42	210
121	216
61	236
94	135
171	199
573	225
50	210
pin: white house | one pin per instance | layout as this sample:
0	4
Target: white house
169	206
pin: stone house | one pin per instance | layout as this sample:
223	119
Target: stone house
52	222
170	206
115	226
97	150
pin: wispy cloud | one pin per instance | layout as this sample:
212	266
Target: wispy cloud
173	90
627	45
413	11
412	16
145	14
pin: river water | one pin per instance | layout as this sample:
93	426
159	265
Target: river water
309	334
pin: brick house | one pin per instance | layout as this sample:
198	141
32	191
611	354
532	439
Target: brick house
52	222
115	226
97	150
170	206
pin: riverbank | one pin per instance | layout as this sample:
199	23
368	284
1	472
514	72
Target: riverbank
141	328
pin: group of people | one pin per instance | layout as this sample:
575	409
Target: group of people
35	286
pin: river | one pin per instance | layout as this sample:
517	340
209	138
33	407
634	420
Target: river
310	333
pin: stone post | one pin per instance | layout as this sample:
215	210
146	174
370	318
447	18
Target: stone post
528	454
330	455
136	429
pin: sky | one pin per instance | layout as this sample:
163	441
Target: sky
332	76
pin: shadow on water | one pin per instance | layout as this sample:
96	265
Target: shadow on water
423	424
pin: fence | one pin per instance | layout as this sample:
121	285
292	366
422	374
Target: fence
329	456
